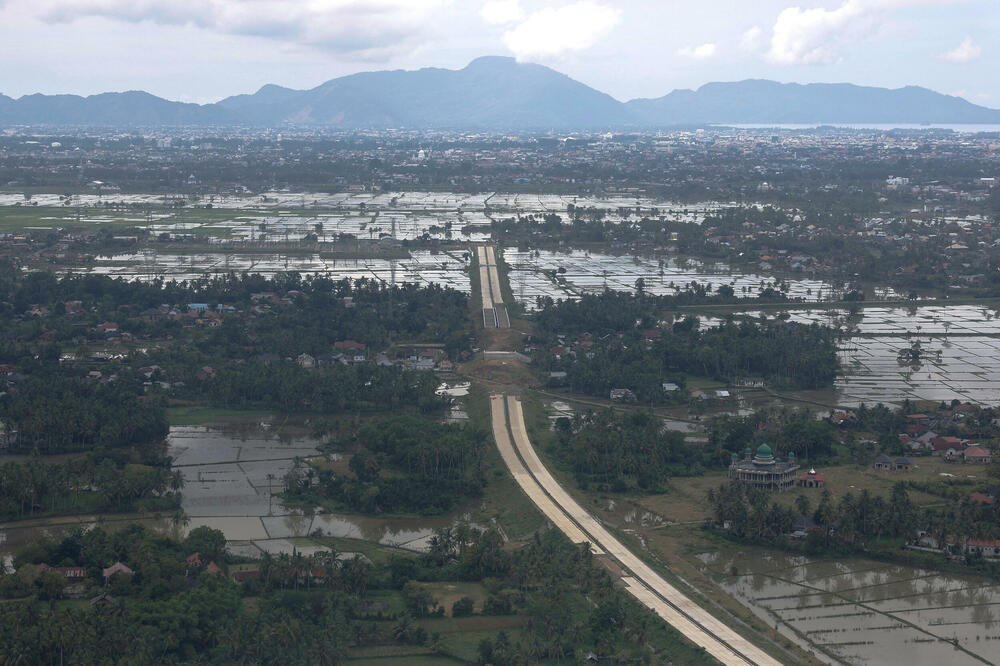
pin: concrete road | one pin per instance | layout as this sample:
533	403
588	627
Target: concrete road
494	310
491	262
699	626
525	480
485	292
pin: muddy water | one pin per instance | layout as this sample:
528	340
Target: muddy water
228	479
861	612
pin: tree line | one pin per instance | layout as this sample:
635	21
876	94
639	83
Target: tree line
618	452
102	481
405	464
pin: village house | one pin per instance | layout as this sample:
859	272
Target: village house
947	446
69	573
988	548
622	395
977	455
885	463
116	568
923	443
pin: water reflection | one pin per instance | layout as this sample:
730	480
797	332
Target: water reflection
861	612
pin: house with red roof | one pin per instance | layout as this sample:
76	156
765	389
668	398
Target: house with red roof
947	446
69	573
978	455
115	568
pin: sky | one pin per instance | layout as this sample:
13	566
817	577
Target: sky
204	50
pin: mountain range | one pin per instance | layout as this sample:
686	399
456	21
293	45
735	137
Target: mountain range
497	93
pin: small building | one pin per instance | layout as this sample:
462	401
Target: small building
883	462
988	548
812	479
622	395
69	573
978	455
947	446
245	575
305	361
887	464
763	470
116	568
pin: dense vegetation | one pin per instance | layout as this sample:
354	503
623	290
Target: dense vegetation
785	431
294	314
332	389
855	520
92	360
618	452
560	603
623	350
53	413
103	480
403	465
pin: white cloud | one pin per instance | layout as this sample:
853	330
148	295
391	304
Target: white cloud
501	12
818	35
552	31
361	29
810	36
700	52
964	52
751	38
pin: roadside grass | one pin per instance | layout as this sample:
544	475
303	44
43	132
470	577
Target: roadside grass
503	500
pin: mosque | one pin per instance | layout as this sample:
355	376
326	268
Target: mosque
763	470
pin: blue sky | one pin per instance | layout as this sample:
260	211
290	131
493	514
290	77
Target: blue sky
202	50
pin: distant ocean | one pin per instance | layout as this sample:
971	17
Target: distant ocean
970	128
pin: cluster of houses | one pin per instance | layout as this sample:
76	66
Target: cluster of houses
349	352
950	545
952	449
76	576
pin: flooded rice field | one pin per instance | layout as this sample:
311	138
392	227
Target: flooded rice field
227	474
495	202
229	479
560	275
959	353
863	612
449	269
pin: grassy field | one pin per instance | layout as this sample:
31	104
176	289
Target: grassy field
214	222
685	500
447	593
19	219
200	415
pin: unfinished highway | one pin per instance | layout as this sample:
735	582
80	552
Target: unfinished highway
494	310
640	580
